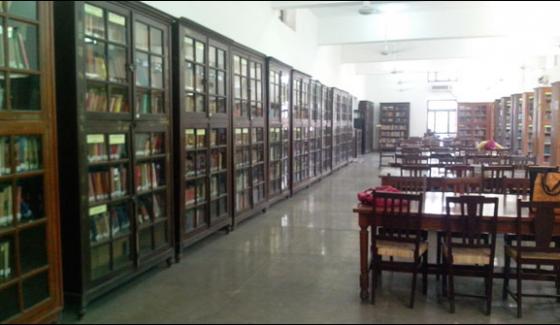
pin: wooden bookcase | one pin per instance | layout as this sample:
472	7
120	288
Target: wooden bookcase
498	117
365	120
279	130
203	198
474	122
517	123
543	127
343	136
115	149
30	257
301	124
327	131
503	122
394	119
248	131
555	106
316	131
528	108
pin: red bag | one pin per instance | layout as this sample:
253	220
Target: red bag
367	197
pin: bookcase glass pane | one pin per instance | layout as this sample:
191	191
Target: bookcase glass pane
28	153
9	299
200	50
142	145
97	148
141	36
160	234
118	179
188	45
144	212
24	93
35	289
121	253
142	69
6	204
24	9
117	64
158	102
143	100
99	224
120	222
156	40
145	240
5	160
100	261
116	25
96	66
33	252
160	207
30	205
7	266
23	43
94	21
157	72
118	146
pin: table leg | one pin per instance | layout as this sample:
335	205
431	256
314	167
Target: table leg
364	262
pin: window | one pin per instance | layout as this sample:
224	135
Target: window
442	117
288	17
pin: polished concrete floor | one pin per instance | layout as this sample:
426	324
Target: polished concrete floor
297	263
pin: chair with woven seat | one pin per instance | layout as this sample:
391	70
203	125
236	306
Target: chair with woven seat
469	250
397	235
544	249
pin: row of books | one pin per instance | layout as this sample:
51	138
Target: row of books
27	153
149	176
195	218
117	64
150	208
95	61
111	183
5	167
96	101
242	181
97	147
101	229
195	138
218	186
195	165
5	260
243	201
195	192
394	134
147	104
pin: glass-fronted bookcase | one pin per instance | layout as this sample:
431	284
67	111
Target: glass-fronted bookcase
278	121
202	130
316	131
113	59
327	130
248	132
301	123
30	270
342	127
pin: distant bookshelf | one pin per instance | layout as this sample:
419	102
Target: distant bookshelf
474	122
394	120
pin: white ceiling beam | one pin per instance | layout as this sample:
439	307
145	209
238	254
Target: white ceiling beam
310	4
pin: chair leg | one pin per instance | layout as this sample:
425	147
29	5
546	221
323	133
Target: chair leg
438	252
443	270
374	271
519	292
451	293
489	288
507	270
425	275
413	290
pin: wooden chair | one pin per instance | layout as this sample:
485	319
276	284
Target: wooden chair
493	177
468	250
454	160
416	170
406	184
521	162
544	249
399	236
517	186
487	160
414	159
459	171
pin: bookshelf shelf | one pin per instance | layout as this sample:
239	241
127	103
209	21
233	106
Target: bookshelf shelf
30	274
301	129
555	122
202	123
394	119
342	127
115	65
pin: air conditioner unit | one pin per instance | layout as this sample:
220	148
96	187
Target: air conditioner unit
442	88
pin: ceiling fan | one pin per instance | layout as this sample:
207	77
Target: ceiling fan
367	8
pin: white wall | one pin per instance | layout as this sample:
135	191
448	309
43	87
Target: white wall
255	24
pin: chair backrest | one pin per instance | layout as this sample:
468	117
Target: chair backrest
399	216
542	218
416	170
468	212
455	160
487	160
406	184
517	186
417	159
459	170
521	161
493	176
463	185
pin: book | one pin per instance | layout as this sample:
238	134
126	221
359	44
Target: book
5	258
6	206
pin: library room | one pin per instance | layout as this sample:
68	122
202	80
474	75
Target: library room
301	162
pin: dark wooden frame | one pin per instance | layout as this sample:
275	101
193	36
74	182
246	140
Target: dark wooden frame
384	120
79	287
40	123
